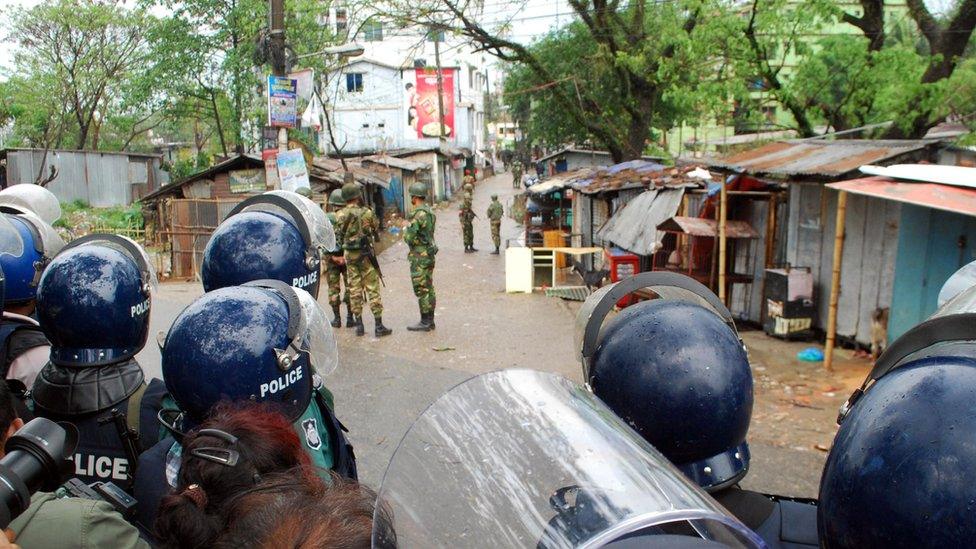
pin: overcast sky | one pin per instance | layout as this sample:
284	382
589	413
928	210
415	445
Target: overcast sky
527	19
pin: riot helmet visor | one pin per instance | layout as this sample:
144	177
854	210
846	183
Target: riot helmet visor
519	458
322	348
29	198
10	240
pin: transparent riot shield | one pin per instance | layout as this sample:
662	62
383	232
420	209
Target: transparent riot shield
961	280
314	224
519	458
665	285
29	198
46	236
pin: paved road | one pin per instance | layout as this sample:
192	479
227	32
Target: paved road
382	385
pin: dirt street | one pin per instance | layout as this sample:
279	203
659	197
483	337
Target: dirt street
382	385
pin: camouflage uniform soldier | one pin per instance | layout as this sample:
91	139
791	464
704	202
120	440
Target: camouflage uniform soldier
495	213
356	228
335	268
517	175
419	236
469	179
467	215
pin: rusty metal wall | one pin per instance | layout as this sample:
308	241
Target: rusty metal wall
188	226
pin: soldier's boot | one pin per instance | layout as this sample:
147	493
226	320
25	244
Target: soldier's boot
337	320
381	330
468	249
350	318
360	329
426	323
495	252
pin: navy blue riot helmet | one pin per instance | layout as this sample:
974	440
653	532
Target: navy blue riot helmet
93	301
900	471
262	341
277	235
23	270
674	369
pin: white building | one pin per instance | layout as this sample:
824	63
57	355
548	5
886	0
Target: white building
385	101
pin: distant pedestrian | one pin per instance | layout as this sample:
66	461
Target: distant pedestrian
335	268
469	178
356	229
516	174
495	213
467	215
419	236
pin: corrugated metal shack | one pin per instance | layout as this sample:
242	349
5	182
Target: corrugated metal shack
98	178
802	167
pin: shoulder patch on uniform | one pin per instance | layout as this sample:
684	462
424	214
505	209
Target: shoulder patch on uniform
311	429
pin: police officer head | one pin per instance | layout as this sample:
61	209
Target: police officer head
900	470
674	369
93	301
23	270
259	342
352	193
418	193
276	235
335	199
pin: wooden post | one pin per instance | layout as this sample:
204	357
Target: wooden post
835	280
723	212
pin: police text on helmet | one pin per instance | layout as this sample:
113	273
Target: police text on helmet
305	280
139	309
281	383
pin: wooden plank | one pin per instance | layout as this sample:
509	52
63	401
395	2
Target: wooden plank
853	263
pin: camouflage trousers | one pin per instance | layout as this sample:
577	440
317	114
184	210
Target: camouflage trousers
422	277
516	181
362	278
335	278
496	232
467	231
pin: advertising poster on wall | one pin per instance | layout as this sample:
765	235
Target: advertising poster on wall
422	106
282	102
292	170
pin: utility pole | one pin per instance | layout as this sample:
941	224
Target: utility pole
440	83
277	46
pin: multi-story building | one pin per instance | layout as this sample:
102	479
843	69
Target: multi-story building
386	100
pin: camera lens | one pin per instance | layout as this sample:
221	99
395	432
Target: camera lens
37	456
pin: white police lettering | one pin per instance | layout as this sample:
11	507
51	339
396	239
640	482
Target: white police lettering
139	309
306	280
101	467
281	383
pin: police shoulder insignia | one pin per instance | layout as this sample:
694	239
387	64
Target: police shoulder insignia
311	429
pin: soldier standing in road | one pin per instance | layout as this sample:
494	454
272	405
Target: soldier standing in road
517	174
356	229
468	179
467	215
419	236
335	268
495	213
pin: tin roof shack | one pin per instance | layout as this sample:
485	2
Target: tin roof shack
401	173
936	236
804	233
98	178
447	167
573	158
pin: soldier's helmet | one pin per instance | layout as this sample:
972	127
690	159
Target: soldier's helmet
675	369
418	189
260	342
23	268
304	191
276	235
494	197
94	299
335	198
351	191
900	468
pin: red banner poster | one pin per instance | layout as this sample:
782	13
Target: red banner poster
422	114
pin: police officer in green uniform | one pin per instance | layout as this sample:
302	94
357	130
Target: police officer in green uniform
419	236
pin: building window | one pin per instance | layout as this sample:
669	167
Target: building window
354	82
342	20
435	36
373	31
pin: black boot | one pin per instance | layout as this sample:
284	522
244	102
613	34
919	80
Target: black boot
495	252
381	330
469	249
350	318
360	329
473	249
337	320
426	323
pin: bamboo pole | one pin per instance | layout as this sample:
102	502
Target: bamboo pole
835	280
723	212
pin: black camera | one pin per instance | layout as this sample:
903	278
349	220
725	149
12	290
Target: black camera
37	456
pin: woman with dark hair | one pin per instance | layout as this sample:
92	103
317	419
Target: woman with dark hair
228	456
